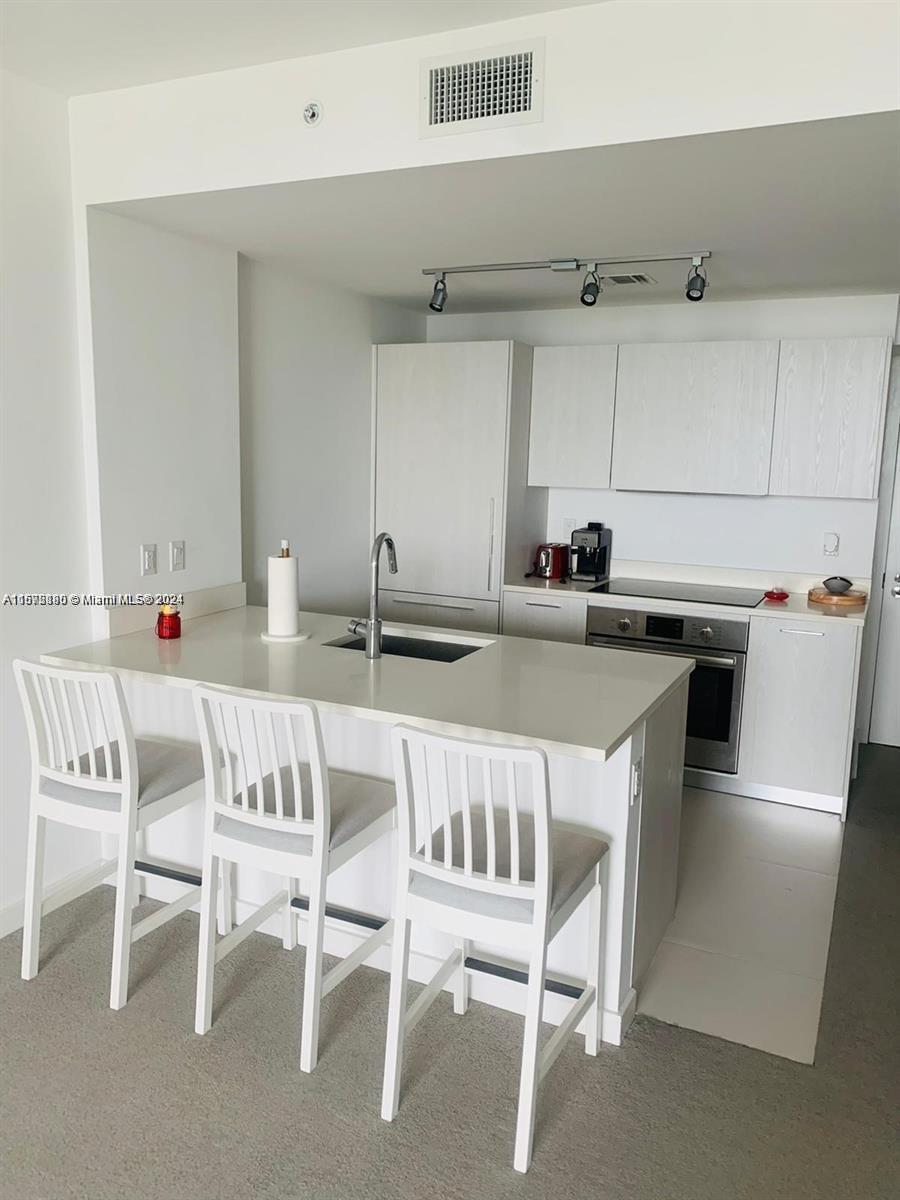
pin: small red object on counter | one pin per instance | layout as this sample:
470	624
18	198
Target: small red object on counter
168	623
777	594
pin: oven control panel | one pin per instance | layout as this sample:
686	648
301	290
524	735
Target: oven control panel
674	628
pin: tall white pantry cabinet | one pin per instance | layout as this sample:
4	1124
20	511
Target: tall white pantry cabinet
450	468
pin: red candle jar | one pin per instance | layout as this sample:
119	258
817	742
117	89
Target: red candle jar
168	624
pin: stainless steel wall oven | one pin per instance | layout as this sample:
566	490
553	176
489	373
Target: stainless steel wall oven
719	650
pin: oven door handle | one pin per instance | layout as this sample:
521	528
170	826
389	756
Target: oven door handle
709	659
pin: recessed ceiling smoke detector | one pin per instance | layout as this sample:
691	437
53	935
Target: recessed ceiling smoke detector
487	89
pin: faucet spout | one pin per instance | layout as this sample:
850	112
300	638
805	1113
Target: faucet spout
373	624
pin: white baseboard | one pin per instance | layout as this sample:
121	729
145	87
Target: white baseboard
711	781
12	918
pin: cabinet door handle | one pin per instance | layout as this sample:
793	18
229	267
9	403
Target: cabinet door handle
434	604
540	604
802	632
490	565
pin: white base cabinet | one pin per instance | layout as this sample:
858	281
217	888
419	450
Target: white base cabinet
546	615
449	612
799	702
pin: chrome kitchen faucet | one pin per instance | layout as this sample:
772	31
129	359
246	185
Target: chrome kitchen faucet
372	628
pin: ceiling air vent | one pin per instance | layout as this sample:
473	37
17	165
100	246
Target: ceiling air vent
625	279
488	90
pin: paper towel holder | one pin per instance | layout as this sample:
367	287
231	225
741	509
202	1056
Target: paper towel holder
300	635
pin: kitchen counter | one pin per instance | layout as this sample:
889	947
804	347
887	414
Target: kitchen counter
562	698
796	607
612	724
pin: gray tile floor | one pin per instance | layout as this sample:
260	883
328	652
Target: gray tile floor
107	1106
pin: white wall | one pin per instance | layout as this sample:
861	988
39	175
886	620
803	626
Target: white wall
615	72
306	391
42	511
165	362
769	533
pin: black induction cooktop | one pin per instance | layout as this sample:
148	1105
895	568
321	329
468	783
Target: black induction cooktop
691	593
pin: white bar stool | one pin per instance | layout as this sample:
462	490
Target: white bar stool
88	770
479	858
271	803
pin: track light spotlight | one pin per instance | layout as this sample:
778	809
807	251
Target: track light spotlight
590	289
438	295
696	284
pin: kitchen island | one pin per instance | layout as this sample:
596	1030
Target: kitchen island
611	723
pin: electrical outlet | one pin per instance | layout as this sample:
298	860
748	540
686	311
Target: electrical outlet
148	558
176	556
831	544
569	524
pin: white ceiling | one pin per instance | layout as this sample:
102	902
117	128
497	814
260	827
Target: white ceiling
787	211
79	46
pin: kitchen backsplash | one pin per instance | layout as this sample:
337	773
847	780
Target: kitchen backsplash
770	533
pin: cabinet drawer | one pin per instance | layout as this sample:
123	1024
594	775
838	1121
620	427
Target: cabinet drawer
451	612
545	615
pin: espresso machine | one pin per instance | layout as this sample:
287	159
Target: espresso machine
591	553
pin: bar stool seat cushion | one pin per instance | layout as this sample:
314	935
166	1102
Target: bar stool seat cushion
575	854
356	802
163	769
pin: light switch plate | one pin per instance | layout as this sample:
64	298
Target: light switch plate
176	556
148	558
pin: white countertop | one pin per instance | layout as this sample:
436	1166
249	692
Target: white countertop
796	607
569	699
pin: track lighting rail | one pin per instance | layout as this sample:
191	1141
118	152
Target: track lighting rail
592	287
570	264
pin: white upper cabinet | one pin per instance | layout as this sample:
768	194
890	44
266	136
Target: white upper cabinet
695	417
573	396
829	417
440	459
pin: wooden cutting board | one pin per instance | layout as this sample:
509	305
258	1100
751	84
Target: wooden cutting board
821	595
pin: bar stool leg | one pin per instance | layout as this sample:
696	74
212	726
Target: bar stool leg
226	897
528	1082
312	980
396	1024
140	853
125	878
206	958
289	932
595	965
461	984
34	894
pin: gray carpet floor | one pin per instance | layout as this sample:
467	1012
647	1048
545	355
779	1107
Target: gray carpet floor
107	1106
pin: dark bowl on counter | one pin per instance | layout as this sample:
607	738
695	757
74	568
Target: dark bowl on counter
836	584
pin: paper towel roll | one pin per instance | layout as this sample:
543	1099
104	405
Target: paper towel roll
284	597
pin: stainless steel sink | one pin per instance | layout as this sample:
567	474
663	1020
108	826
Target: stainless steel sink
411	647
